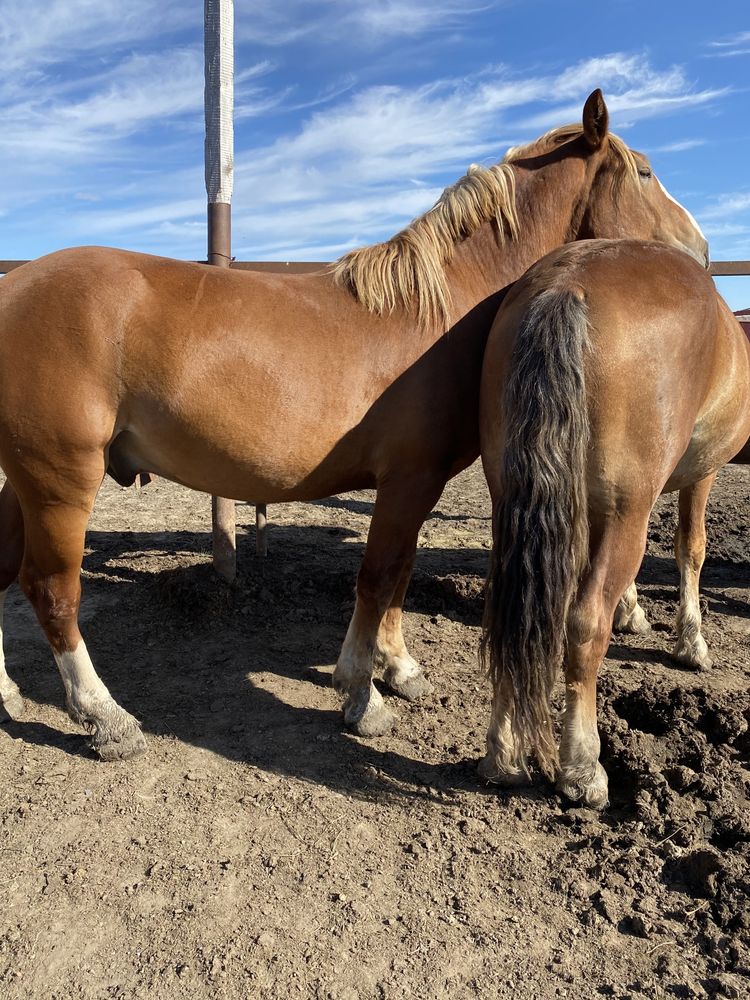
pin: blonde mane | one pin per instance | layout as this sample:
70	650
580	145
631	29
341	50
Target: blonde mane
409	268
411	265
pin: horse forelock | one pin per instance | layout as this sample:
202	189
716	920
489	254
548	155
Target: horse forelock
409	269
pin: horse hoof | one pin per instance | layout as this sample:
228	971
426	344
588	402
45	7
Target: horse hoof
412	688
375	720
593	793
635	624
12	705
490	772
695	657
124	744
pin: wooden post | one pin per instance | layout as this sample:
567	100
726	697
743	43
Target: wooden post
218	37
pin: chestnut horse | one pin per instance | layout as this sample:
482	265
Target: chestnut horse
690	649
268	388
614	372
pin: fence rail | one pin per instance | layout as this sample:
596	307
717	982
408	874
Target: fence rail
719	268
276	266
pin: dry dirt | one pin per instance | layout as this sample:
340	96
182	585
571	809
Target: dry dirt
258	851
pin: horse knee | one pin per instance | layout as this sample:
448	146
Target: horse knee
54	601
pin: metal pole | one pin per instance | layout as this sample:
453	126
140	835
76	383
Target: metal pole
261	530
218	20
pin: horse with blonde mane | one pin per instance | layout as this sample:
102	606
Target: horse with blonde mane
614	372
267	388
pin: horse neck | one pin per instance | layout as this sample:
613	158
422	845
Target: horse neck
546	206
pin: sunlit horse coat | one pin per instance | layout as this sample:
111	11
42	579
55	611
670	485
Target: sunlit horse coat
614	372
268	387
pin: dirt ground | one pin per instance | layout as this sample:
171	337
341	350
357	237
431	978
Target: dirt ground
259	851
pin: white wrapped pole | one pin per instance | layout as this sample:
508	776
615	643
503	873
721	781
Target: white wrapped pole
218	20
219	99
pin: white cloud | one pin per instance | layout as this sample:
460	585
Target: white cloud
66	28
728	205
357	166
266	22
680	146
358	170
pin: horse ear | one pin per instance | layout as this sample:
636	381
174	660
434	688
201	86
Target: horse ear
595	119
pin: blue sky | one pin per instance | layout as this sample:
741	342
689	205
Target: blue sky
350	116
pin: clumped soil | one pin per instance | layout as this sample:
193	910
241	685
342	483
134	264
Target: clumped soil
259	851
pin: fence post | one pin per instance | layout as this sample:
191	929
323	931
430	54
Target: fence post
218	22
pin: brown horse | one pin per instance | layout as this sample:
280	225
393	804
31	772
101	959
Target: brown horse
690	648
614	372
268	388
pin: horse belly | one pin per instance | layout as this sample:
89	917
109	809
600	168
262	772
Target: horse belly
263	457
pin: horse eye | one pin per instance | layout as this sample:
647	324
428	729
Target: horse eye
644	172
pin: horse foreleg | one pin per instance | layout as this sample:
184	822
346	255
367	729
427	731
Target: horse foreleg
401	672
615	560
51	579
398	515
690	551
11	554
629	615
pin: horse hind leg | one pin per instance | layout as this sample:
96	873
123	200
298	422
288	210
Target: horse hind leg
616	556
11	554
690	551
629	615
51	579
401	672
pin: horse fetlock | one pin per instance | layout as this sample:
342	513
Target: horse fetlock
342	678
497	769
11	701
365	713
588	785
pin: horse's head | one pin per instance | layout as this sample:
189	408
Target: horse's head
619	194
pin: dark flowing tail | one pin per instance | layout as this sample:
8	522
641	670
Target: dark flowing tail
541	521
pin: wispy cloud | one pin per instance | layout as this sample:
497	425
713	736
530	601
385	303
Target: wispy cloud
347	174
728	205
680	146
266	22
101	117
66	28
635	90
737	45
726	222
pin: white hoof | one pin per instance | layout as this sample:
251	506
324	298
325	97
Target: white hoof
591	789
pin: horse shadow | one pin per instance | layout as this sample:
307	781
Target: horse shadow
195	659
202	656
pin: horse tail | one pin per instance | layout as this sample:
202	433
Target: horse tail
541	521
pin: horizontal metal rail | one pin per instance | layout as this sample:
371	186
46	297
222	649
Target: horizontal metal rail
275	266
719	268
